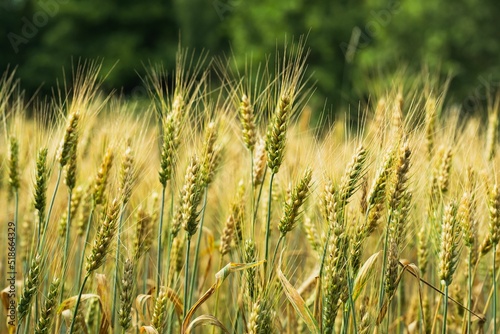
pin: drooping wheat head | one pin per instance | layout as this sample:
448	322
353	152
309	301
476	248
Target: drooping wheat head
14	182
190	198
170	144
70	136
276	133
143	233
259	165
430	125
492	132
71	165
377	194
293	206
127	175
443	177
494	210
400	178
247	120
42	174
397	126
450	248
104	238
353	173
102	176
211	154
466	216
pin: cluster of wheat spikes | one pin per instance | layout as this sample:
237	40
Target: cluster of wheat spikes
221	210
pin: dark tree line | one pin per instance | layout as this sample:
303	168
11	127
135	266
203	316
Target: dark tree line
350	40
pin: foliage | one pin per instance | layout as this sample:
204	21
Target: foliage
351	42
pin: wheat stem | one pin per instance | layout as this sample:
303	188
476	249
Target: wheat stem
445	307
351	301
399	306
281	238
387	321
186	275
494	290
268	223
16	214
117	263
469	290
44	231
18	328
145	274
160	249
169	252
252	193
217	294
198	242
345	320
66	246
171	237
384	263
257	201
87	234
78	303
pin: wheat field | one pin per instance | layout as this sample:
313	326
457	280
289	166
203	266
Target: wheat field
218	207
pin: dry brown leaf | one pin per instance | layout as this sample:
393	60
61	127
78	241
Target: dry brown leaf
174	298
148	330
141	304
103	292
220	276
204	320
70	302
4	296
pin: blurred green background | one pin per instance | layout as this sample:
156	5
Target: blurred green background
354	44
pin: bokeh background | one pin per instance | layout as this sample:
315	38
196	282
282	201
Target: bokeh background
355	45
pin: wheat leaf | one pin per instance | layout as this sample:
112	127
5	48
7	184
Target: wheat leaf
148	330
204	320
219	278
297	302
364	275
